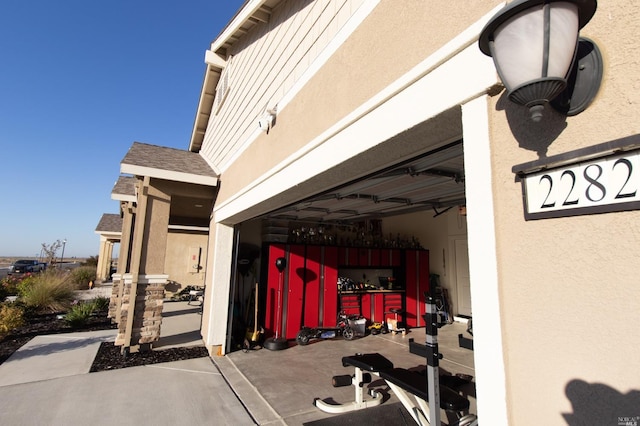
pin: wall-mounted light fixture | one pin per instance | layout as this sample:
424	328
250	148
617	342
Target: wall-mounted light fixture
539	56
267	120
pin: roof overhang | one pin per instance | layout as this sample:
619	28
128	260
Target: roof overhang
250	14
110	227
124	189
175	176
168	164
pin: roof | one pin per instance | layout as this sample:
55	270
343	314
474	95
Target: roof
109	223
167	163
124	189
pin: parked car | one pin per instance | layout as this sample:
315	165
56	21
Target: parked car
25	265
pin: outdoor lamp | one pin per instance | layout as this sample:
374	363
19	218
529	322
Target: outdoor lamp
534	44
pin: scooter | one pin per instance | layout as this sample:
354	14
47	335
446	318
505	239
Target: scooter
341	329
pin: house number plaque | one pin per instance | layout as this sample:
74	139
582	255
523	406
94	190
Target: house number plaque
600	179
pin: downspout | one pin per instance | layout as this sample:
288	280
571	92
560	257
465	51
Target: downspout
136	254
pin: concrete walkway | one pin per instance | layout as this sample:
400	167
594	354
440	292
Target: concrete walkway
47	382
190	392
53	356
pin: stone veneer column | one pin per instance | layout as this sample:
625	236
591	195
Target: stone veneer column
147	310
114	301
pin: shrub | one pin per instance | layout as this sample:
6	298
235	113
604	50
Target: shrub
101	303
79	314
9	287
82	275
24	283
48	291
11	317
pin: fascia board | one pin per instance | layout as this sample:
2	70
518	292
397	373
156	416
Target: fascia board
168	175
124	197
249	9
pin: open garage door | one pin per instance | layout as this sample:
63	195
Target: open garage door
434	181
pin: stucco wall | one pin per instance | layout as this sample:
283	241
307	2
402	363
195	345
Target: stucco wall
569	286
155	236
386	45
179	265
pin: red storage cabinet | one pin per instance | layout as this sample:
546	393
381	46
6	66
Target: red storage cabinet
416	284
329	282
295	287
271	317
309	294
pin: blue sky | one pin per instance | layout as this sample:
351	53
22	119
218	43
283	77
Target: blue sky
80	81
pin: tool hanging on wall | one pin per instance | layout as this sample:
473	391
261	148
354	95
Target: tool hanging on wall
253	339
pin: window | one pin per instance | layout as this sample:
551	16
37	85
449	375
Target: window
222	89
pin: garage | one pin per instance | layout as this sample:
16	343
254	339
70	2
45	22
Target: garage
413	207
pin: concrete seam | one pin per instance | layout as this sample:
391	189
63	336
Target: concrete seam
186	370
273	411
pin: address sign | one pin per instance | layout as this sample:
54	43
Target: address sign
598	179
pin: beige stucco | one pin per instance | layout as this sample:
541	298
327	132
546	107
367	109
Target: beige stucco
153	245
381	50
569	286
181	247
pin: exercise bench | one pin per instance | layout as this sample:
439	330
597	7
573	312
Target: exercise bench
411	389
364	365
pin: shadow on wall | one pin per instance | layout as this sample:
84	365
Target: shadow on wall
598	404
536	137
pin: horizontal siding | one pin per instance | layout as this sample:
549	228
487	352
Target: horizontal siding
266	63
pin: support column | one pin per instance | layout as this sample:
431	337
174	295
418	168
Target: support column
128	213
488	347
100	268
106	265
142	309
131	279
218	282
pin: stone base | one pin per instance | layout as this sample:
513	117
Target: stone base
147	311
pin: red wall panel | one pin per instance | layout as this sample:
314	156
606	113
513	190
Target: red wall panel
312	273
417	276
330	287
294	290
273	283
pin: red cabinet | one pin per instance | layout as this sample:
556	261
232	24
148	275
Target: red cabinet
275	291
416	284
366	257
306	292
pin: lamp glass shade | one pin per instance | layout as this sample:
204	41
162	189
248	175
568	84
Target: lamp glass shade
536	43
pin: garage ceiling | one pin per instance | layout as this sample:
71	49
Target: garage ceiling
433	181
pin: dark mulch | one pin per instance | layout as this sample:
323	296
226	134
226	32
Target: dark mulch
109	356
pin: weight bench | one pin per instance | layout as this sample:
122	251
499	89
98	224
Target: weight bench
411	389
371	364
404	383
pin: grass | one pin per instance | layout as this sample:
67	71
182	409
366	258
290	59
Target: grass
79	314
49	291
